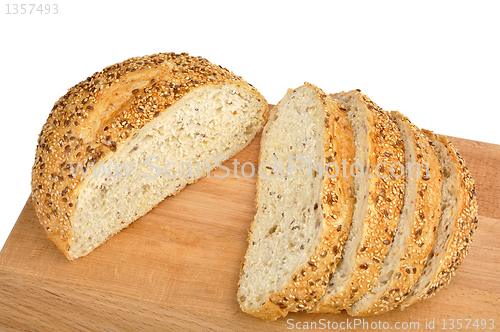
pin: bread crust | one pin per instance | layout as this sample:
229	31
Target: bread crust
424	226
384	205
465	225
95	117
309	282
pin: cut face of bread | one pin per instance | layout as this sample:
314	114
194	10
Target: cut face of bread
456	226
379	188
416	228
127	137
175	149
303	213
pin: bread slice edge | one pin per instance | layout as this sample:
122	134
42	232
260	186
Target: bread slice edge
356	274
416	227
463	217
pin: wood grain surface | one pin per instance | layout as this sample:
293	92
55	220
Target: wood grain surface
176	268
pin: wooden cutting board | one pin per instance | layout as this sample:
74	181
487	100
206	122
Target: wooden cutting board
177	268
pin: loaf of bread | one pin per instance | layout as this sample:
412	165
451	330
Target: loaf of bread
379	197
344	221
303	207
118	143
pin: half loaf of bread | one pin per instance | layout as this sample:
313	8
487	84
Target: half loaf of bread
118	143
304	205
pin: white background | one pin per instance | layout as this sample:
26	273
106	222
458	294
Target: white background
435	61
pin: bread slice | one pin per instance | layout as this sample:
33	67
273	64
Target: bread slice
457	224
303	214
417	224
379	195
121	141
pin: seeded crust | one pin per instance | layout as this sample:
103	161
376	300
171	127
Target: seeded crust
98	115
309	283
424	221
384	205
465	224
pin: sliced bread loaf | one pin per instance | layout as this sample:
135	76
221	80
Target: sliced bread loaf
125	138
303	212
417	224
379	190
456	226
